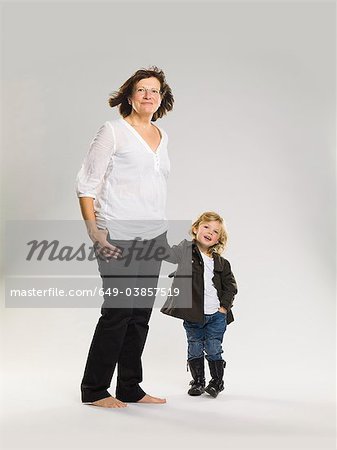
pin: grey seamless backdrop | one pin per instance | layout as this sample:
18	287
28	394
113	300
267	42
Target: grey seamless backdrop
252	136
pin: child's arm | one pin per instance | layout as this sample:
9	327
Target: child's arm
174	253
229	287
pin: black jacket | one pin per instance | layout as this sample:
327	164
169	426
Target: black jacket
189	279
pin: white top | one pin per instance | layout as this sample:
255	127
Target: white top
211	300
128	181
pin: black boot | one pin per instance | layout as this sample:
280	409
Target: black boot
197	369
216	384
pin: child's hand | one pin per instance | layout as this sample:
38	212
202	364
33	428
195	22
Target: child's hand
222	310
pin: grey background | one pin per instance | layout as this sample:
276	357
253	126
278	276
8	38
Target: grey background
252	136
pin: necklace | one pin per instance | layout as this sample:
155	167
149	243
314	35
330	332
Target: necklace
143	127
140	126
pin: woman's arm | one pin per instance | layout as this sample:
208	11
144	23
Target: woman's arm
89	178
88	214
99	237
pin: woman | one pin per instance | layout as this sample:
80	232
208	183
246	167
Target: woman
122	192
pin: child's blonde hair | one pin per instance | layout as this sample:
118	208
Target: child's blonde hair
208	216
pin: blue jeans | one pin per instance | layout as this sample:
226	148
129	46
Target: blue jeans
206	337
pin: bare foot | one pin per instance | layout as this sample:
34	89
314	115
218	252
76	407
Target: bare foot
149	399
109	402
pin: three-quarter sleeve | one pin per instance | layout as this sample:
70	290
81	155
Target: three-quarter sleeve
96	162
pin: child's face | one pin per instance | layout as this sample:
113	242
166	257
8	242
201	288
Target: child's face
207	233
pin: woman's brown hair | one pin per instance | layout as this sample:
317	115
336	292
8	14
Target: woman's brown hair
121	96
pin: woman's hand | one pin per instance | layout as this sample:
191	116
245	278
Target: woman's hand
103	247
222	310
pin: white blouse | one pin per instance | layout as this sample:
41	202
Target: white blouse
128	181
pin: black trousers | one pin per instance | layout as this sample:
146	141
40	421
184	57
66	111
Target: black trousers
121	331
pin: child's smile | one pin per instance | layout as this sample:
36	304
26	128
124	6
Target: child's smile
207	234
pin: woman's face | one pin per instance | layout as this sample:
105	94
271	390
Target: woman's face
146	97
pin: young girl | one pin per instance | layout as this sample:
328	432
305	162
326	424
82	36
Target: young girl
211	298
